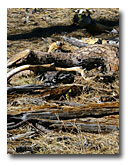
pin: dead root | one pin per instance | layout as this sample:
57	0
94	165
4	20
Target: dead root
43	68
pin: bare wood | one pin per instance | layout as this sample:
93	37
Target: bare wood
42	68
88	109
44	90
73	112
93	125
20	136
86	127
65	112
15	59
16	70
74	41
26	67
25	88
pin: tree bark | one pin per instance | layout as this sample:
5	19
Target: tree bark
92	56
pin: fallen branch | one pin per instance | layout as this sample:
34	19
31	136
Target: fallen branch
42	68
91	128
54	113
20	136
25	88
94	125
74	41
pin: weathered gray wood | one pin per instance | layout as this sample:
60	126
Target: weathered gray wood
19	136
64	113
74	41
91	128
47	91
25	88
94	125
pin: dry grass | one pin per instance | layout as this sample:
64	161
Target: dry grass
54	142
66	143
74	144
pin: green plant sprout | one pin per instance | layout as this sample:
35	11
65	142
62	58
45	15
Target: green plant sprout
67	94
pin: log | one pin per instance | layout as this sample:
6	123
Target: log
92	56
92	125
91	128
52	108
84	43
18	57
54	113
48	92
78	125
98	110
25	88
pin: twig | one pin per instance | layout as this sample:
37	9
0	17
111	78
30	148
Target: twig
20	136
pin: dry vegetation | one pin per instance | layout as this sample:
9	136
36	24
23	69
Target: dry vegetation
27	31
63	142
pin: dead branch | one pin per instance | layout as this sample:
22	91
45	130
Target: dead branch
74	41
42	68
20	136
91	128
94	110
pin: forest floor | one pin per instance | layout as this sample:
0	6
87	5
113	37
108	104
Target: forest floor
37	30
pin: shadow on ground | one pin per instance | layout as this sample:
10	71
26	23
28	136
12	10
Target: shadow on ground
45	32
